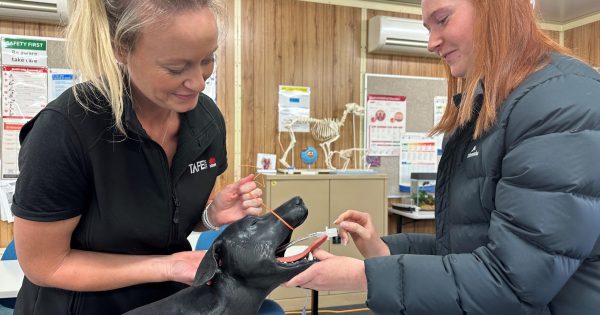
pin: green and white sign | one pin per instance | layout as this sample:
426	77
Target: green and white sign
24	52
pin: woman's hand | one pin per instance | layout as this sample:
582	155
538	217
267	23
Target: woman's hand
236	201
361	228
182	266
335	273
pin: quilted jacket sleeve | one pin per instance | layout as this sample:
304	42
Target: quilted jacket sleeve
410	243
546	221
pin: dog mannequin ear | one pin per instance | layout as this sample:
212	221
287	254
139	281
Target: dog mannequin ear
209	265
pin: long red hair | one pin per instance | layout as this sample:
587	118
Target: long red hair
509	45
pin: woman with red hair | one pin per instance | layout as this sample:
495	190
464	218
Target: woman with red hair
518	187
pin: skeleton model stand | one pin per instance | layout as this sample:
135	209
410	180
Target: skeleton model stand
326	131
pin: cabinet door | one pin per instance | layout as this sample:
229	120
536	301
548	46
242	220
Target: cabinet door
366	195
315	194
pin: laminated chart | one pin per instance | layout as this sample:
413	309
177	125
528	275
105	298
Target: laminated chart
24	91
11	146
386	122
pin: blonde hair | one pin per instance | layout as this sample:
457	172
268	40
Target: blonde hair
98	29
508	46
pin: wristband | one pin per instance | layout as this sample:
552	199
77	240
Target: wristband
205	220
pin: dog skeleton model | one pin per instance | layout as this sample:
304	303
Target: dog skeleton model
240	269
326	131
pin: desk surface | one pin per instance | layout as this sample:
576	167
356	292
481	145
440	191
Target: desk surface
416	215
11	277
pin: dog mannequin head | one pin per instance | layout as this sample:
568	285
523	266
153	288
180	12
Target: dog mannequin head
241	268
246	249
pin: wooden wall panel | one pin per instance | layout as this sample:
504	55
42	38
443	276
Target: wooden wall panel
6	233
296	43
30	29
225	88
553	34
585	42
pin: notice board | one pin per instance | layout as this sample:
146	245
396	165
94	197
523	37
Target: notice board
420	93
34	71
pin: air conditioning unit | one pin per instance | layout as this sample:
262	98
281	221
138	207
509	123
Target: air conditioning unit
398	36
39	11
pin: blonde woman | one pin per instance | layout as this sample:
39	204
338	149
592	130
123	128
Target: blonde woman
118	171
518	189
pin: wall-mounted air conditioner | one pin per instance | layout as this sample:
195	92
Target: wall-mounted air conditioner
39	11
398	36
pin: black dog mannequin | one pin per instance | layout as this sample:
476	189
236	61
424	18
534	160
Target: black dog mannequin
240	268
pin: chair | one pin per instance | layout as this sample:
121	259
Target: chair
206	238
9	254
270	307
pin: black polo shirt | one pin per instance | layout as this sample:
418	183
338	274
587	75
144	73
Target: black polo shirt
73	162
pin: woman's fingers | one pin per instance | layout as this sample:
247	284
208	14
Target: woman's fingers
321	254
353	221
353	215
355	228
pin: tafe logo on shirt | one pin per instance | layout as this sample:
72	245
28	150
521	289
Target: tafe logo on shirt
202	165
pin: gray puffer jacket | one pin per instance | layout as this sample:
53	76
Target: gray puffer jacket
517	211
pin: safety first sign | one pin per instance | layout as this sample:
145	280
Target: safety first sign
24	52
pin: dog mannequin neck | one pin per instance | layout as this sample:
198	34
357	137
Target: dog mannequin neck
247	303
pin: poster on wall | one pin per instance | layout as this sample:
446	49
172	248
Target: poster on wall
24	91
24	52
419	155
32	74
439	107
10	146
294	102
59	80
386	121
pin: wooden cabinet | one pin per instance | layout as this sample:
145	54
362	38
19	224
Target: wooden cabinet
6	233
326	197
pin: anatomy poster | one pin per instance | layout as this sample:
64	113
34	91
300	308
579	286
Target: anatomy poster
265	163
386	121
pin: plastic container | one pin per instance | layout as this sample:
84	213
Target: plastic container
422	190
